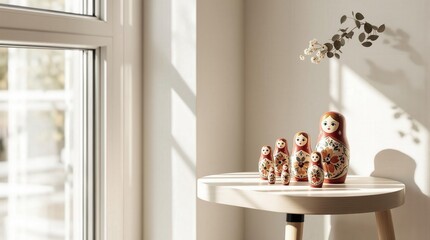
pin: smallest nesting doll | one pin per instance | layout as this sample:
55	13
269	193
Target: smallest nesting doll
285	176
315	171
265	162
272	177
280	155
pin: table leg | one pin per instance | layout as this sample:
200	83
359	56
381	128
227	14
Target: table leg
385	225
294	226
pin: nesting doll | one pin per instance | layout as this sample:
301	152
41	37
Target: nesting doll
272	177
315	171
285	176
334	147
265	162
280	155
300	156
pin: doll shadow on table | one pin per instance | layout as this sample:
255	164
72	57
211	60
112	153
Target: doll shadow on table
392	164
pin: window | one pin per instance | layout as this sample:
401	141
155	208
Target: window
43	161
69	6
70	119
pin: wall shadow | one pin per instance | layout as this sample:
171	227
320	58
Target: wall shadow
396	67
393	164
398	166
404	82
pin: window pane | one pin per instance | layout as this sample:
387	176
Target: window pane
42	131
85	7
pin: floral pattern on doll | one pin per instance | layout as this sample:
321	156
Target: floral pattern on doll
280	159
301	164
264	167
316	175
334	158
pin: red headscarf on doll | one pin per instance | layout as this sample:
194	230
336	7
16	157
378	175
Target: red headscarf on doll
305	147
339	134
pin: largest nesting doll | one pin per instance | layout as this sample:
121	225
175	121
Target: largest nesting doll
334	147
300	156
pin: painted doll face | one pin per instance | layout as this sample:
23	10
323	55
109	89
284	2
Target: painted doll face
265	150
301	140
329	125
280	144
315	157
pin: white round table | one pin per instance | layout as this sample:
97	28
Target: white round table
357	195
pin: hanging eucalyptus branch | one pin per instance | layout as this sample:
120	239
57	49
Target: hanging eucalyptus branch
333	47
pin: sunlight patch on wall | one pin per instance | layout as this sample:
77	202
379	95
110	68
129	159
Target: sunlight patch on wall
183	118
183	170
183	40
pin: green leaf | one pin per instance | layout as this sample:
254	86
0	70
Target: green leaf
337	55
358	24
361	37
373	37
329	46
343	19
374	27
342	42
330	54
335	37
368	27
337	44
381	28
359	16
367	44
350	34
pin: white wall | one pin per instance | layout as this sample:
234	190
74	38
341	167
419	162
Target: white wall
381	90
220	109
169	162
193	115
248	87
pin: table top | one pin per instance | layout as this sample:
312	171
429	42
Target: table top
358	194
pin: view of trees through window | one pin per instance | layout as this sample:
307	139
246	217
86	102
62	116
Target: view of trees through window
43	131
41	134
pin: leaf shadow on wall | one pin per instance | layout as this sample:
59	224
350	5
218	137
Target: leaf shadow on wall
385	81
399	39
396	85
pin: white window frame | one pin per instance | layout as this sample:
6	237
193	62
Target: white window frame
116	35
